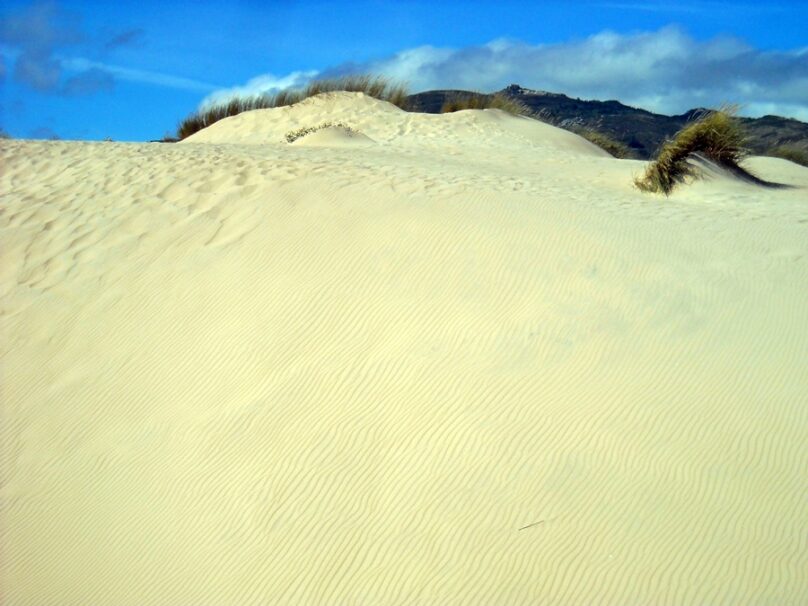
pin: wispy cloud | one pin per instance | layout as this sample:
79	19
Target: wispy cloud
139	75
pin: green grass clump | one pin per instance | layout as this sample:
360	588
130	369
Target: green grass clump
373	86
616	148
480	101
793	154
717	135
294	135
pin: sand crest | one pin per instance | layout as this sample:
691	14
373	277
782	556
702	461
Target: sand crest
464	363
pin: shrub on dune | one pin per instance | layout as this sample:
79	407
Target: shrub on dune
373	86
480	101
792	154
717	136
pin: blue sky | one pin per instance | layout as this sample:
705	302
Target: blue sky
132	70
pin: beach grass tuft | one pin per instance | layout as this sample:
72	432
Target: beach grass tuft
716	135
378	87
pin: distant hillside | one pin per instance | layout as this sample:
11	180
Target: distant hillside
641	130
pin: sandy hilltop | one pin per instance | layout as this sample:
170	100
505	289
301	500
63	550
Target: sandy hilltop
427	359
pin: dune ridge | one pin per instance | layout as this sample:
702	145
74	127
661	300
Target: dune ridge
467	363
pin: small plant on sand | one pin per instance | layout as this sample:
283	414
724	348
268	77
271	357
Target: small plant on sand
792	154
616	148
4	134
716	135
462	101
294	135
373	86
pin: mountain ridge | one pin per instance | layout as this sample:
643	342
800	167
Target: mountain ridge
641	130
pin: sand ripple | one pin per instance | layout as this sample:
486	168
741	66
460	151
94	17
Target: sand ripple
392	374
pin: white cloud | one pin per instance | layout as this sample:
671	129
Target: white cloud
415	62
665	71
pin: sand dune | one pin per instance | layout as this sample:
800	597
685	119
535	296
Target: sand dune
464	361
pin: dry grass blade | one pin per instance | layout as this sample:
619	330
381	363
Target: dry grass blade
716	135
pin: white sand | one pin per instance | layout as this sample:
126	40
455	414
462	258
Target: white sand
350	370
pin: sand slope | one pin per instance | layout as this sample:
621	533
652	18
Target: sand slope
464	362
